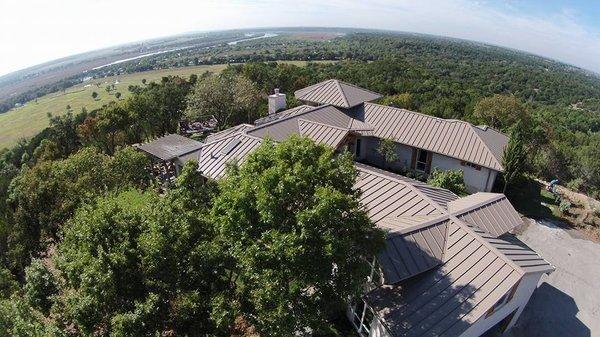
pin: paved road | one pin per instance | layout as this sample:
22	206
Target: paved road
566	303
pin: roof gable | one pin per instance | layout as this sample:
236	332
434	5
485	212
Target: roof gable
491	212
336	93
452	138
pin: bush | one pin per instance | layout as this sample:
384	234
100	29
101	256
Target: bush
564	206
575	184
451	180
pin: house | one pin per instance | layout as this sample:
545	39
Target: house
423	142
450	266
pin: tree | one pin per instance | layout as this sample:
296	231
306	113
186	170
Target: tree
94	95
402	100
387	148
513	157
68	107
137	264
118	95
40	286
452	180
291	221
108	88
500	111
232	99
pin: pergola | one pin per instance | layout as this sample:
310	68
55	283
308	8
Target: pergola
169	153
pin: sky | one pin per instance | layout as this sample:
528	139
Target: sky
36	31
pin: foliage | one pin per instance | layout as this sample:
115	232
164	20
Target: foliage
500	111
46	195
387	148
403	100
513	157
290	208
40	286
8	284
564	206
231	99
135	264
452	180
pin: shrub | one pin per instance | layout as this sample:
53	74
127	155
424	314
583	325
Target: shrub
575	184
564	206
452	180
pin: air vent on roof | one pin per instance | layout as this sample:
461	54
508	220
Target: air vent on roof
232	144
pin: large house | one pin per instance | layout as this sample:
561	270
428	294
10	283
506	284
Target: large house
450	267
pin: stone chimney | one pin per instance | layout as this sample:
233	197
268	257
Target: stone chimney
276	102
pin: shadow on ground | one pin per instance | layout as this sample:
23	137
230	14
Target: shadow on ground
550	313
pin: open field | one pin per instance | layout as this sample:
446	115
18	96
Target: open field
28	120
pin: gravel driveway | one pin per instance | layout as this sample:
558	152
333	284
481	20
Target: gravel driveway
566	303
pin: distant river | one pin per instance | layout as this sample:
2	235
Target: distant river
252	38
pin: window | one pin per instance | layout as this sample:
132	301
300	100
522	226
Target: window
475	166
357	147
362	317
376	276
503	300
421	163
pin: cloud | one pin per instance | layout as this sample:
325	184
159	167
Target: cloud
33	31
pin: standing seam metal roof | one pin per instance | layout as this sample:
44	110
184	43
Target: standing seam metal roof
170	146
491	212
336	93
451	138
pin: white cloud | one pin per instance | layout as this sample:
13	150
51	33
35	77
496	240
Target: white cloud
34	31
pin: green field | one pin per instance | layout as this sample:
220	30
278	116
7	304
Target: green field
28	120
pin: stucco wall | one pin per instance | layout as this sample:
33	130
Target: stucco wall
475	180
526	287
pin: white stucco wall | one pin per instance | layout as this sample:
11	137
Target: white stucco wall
475	180
526	287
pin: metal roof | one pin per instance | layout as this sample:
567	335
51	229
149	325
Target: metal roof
227	132
420	248
518	252
336	93
283	114
453	138
215	156
445	301
170	146
323	124
491	212
322	133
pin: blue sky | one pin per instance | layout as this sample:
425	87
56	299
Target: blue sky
35	31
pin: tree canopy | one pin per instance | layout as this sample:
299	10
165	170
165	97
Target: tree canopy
292	223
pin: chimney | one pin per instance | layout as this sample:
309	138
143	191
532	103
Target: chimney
276	102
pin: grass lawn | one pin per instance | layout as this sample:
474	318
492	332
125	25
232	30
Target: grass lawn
28	120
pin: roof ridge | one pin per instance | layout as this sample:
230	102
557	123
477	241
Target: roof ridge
357	87
313	87
495	197
337	82
487	244
323	124
258	127
485	145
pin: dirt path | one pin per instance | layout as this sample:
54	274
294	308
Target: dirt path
566	303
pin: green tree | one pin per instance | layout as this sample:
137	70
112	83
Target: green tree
387	148
232	99
40	286
402	100
94	95
292	222
513	157
452	180
500	111
118	95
